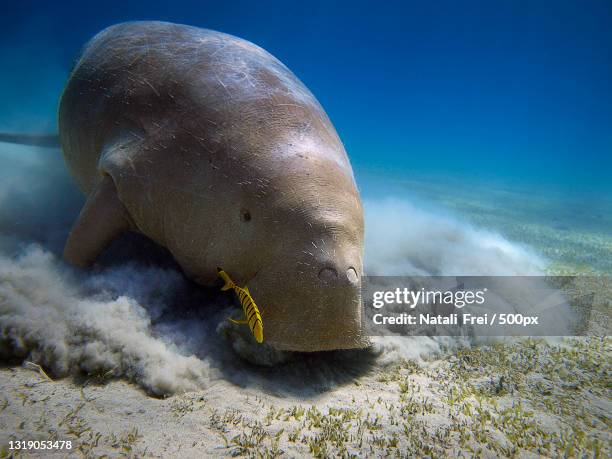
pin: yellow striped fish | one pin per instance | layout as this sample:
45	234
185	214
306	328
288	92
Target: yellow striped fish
253	317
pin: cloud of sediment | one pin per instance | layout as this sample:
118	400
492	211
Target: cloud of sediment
405	240
46	318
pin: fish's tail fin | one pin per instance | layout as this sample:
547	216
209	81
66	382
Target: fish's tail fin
37	140
228	282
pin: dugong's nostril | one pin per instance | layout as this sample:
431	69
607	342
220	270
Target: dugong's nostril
328	274
352	276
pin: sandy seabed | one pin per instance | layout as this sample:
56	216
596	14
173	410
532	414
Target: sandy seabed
526	399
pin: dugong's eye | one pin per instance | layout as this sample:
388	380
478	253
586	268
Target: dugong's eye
328	274
245	215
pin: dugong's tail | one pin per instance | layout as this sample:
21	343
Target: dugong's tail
38	140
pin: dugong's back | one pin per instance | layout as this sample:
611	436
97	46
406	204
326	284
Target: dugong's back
131	76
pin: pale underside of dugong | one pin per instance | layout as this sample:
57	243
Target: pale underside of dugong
211	147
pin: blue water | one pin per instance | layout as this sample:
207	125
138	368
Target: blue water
506	89
473	97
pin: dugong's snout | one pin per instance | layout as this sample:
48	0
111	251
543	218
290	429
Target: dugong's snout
312	310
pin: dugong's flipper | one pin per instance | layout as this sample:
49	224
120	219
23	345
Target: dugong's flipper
101	220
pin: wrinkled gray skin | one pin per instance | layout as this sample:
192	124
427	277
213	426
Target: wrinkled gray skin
212	148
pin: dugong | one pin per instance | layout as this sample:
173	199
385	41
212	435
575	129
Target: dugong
211	147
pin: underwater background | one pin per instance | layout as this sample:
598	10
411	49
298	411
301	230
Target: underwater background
498	113
480	137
